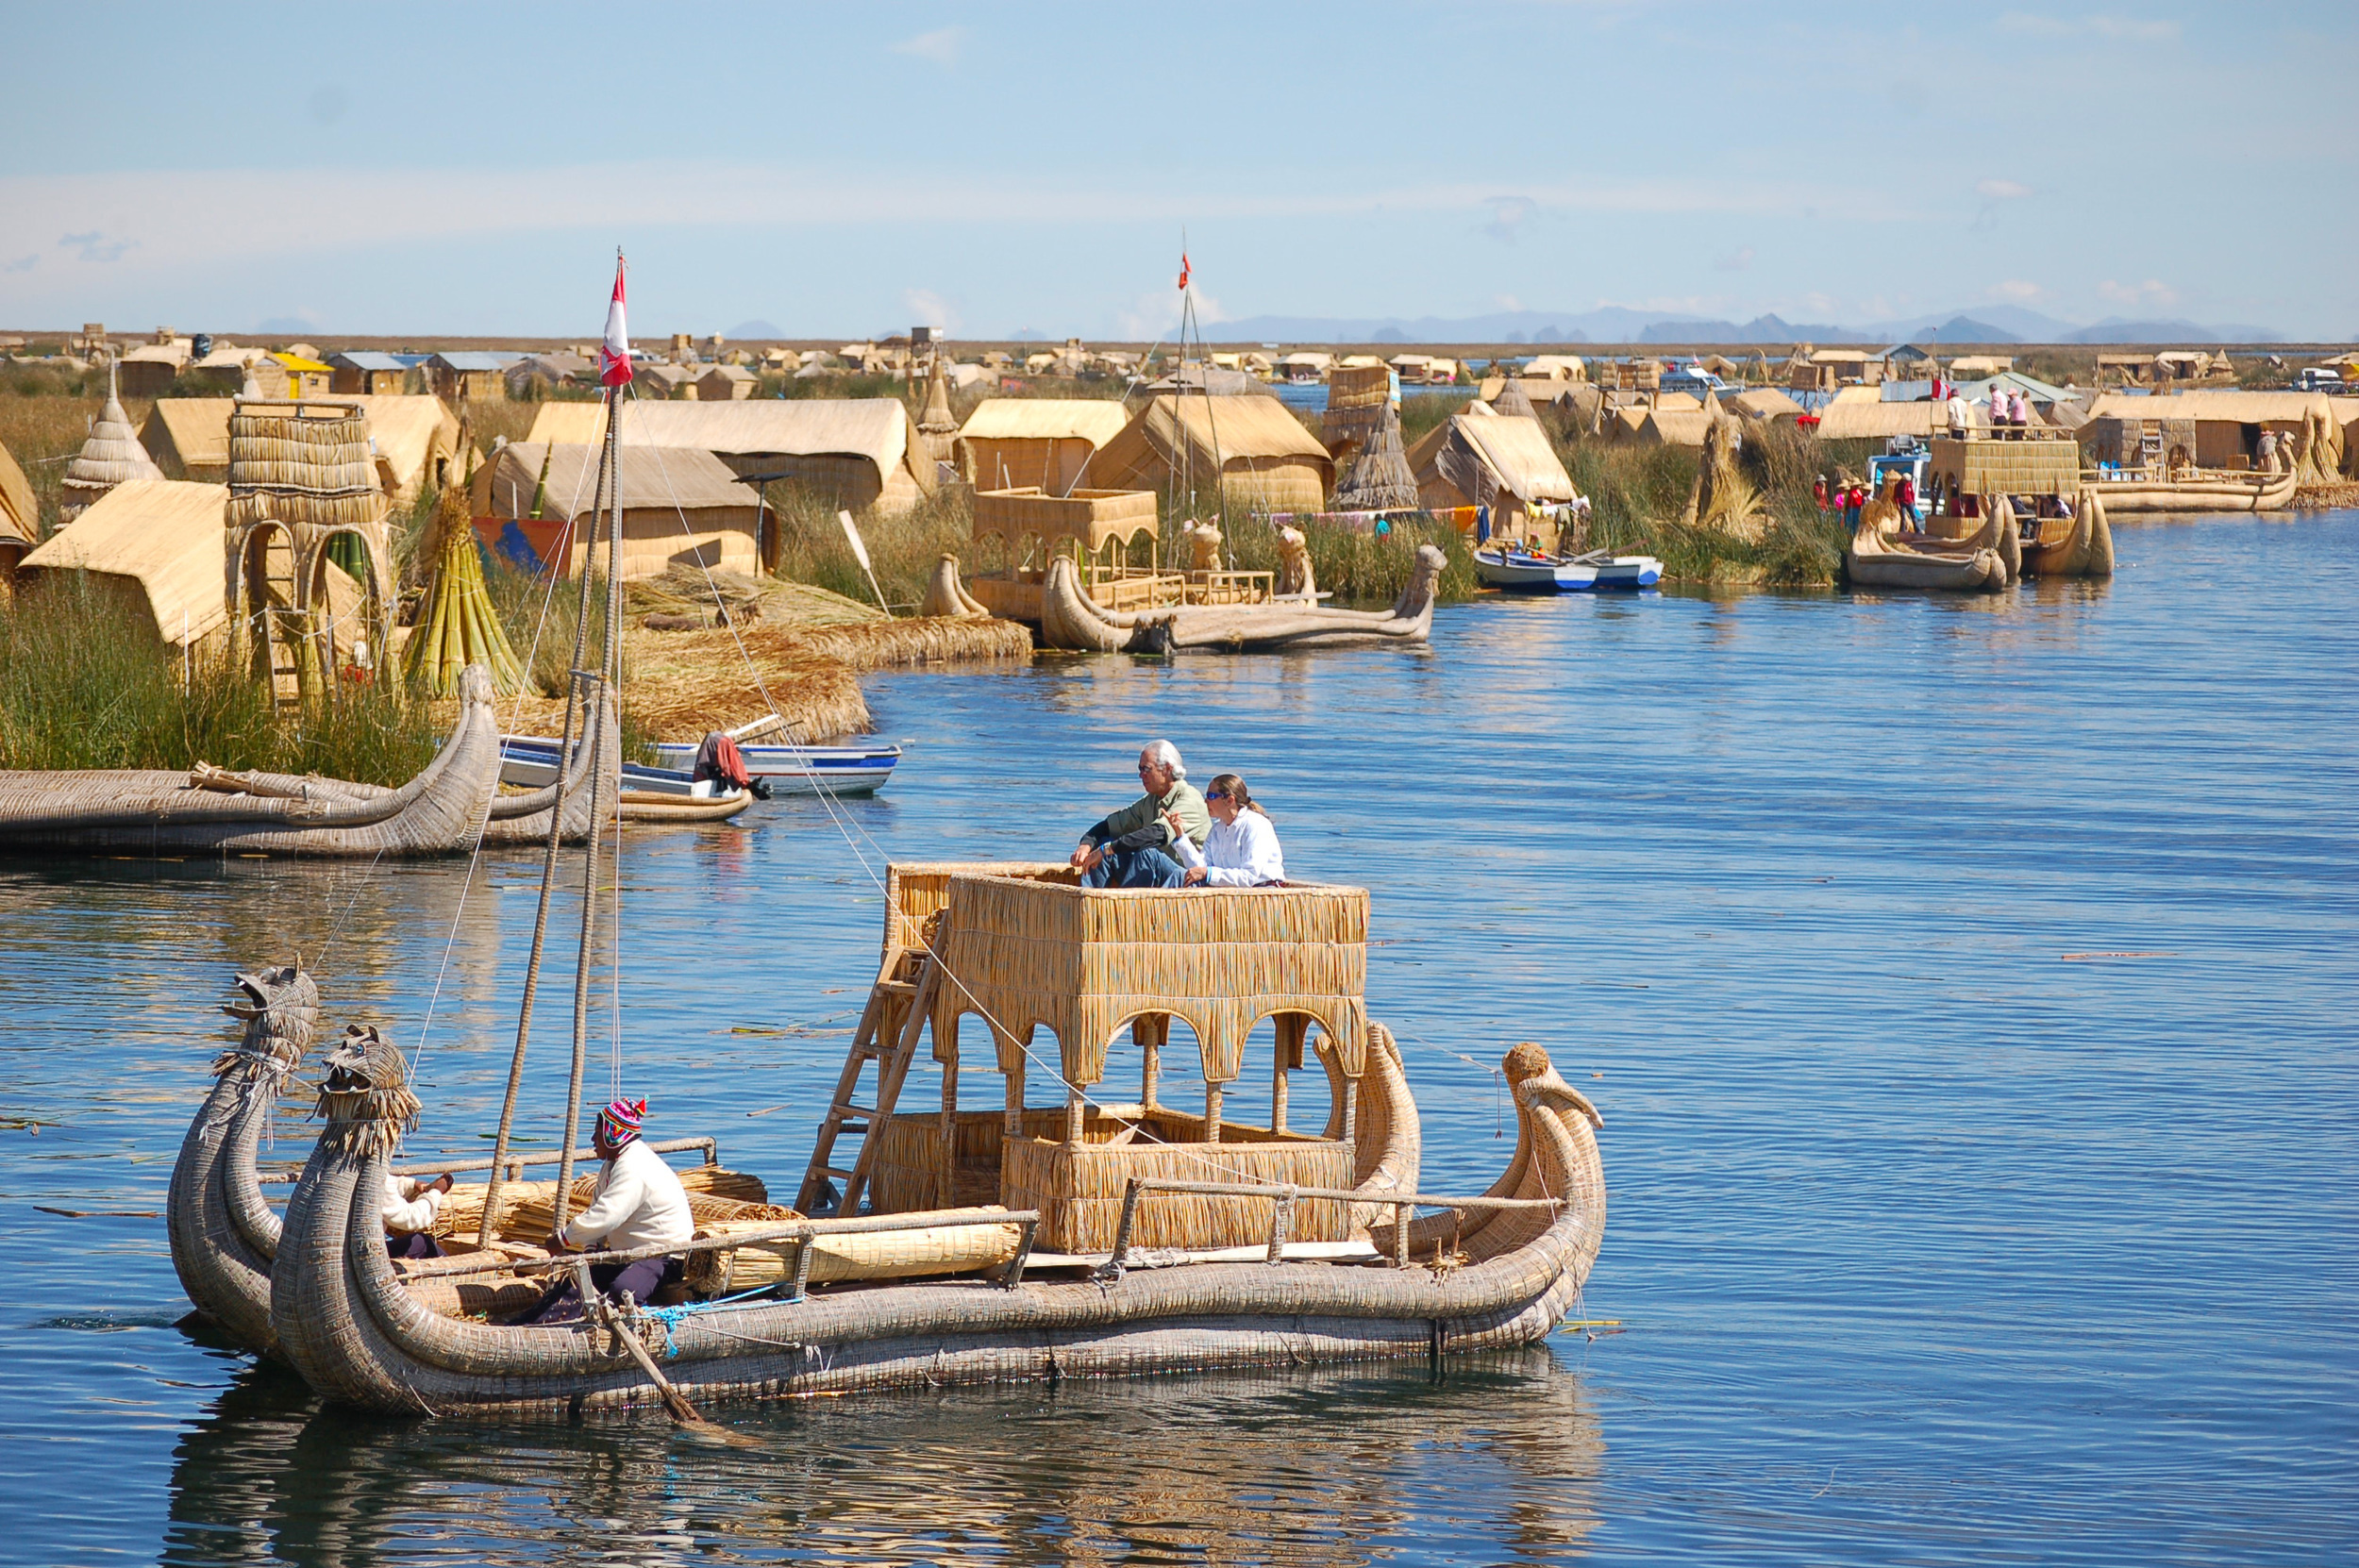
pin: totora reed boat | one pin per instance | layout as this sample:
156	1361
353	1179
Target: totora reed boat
1102	1233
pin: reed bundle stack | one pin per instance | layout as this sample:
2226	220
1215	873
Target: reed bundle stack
529	1209
1724	498
459	625
1380	479
889	1255
111	456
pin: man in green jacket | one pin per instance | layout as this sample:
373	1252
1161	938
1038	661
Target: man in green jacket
1131	849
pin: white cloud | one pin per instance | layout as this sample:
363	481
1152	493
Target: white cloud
2016	290
2146	295
95	246
1740	261
1507	217
928	309
22	264
1507	302
941	46
2136	30
2000	189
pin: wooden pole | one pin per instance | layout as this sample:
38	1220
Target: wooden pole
548	883
1212	1111
1147	1030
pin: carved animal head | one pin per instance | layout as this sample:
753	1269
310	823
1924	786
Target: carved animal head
280	1009
365	1092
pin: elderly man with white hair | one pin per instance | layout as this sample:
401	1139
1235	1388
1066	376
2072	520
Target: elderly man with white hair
1131	849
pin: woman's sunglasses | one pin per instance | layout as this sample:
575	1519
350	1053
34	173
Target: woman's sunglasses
1216	794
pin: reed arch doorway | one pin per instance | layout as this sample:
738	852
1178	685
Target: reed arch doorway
348	616
271	604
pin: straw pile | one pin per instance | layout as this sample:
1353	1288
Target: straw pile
881	1254
459	625
529	1209
110	455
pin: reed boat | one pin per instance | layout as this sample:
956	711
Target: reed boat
1071	619
1882	553
224	1233
453	803
1126	1238
2139	493
2080	546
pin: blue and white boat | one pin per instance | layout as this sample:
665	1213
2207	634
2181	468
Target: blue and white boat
1517	570
531	761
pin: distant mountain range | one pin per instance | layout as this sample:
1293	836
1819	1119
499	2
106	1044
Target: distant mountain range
1614	324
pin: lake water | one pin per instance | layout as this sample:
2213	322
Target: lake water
1967	985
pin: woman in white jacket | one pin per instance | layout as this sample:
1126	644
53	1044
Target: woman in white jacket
1242	849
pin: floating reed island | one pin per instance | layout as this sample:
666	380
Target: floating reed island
1109	1232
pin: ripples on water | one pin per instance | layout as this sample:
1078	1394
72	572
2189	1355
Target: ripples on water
1942	1234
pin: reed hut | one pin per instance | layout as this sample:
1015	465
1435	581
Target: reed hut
2215	429
20	515
1762	406
1861	413
1663	426
189	438
1512	400
1967	367
111	456
228	368
305	377
1826	369
1502	462
366	372
859	453
1555	367
1357	398
149	369
726	384
416	439
469	377
1378	478
1044	443
1262	457
682	506
155	548
937	427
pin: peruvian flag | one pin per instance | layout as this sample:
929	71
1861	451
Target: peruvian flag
1183	269
615	354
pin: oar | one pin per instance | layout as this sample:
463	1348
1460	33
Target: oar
683	1413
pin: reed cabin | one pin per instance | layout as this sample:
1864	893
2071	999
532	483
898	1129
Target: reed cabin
1049	977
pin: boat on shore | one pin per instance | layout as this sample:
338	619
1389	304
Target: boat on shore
532	761
1516	570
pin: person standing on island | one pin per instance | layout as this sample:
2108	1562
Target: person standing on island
1131	849
1818	492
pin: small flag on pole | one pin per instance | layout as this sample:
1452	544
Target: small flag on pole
1184	271
615	354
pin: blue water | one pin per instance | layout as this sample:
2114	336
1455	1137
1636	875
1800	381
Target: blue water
1967	985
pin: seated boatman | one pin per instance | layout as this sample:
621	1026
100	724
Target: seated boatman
409	1211
639	1203
1131	849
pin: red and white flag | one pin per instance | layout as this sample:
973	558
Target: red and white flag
1184	271
615	354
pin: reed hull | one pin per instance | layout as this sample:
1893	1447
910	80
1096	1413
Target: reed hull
2162	497
2084	549
1071	620
359	1338
223	1235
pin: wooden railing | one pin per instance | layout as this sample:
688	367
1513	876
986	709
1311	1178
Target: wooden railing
1282	1221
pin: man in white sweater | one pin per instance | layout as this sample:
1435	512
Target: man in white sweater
639	1203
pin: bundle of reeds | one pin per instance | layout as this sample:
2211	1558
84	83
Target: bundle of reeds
529	1209
458	625
875	1255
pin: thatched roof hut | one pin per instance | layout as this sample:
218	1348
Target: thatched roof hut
1861	413
20	515
1042	442
859	452
416	439
1357	397
689	507
1665	425
1380	478
149	370
1264	456
111	456
1762	406
1503	461
2225	428
1514	400
158	544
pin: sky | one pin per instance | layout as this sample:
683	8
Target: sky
846	171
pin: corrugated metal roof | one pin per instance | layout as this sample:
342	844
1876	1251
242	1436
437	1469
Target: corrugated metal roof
367	359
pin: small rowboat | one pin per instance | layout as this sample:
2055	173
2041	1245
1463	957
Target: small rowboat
1518	571
532	761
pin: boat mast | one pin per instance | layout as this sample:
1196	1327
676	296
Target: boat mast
573	700
606	784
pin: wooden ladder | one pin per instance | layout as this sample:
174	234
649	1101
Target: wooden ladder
889	1027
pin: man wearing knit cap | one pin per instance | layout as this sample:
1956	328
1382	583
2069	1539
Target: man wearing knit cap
639	1203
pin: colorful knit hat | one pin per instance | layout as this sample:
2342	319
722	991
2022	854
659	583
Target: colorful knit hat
621	1121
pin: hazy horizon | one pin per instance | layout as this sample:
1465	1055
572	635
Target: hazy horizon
469	171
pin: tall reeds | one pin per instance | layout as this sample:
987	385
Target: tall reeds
83	685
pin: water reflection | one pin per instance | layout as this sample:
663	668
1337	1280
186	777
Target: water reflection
1325	1466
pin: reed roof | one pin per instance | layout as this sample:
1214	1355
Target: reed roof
1213	435
1480	455
876	428
111	455
1860	413
193	431
1762	403
167	536
20	515
2242	407
691	480
1096	420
